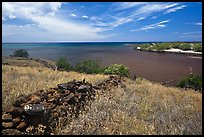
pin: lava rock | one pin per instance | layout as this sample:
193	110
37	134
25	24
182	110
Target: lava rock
7	124
7	117
22	125
16	121
34	109
11	132
34	99
21	99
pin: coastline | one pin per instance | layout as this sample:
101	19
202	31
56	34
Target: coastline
175	51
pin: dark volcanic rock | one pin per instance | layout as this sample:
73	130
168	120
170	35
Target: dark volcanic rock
21	99
47	107
34	109
22	125
34	99
16	121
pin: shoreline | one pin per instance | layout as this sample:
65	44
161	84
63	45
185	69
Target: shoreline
175	51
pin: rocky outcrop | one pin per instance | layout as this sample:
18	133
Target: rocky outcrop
40	112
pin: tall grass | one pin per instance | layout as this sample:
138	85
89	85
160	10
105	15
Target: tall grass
141	108
26	80
135	107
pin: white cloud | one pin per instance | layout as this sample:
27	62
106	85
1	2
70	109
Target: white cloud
13	10
200	24
84	16
153	26
74	15
141	18
175	9
46	25
3	18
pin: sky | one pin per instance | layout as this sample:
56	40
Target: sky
101	21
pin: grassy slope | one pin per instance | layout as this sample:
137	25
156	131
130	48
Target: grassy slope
136	107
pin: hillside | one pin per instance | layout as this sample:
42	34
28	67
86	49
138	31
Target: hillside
133	107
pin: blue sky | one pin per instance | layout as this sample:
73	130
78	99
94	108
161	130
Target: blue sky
101	21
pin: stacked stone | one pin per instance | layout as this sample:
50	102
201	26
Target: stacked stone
113	81
46	107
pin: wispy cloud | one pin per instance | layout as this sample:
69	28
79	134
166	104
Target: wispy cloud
84	16
160	24
200	24
126	5
74	15
194	32
135	11
175	9
154	17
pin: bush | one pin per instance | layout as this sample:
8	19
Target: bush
117	69
185	46
63	64
197	47
192	81
89	67
20	53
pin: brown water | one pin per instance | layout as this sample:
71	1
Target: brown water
158	67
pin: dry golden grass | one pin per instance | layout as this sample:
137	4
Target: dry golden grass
135	107
26	80
141	107
25	62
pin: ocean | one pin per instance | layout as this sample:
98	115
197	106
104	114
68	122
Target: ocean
158	67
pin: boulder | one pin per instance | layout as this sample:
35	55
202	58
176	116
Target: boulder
21	99
22	125
7	124
34	99
16	121
7	117
11	132
34	109
10	109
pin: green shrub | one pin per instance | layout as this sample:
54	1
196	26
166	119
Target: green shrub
117	69
192	81
185	46
63	64
197	47
89	67
20	53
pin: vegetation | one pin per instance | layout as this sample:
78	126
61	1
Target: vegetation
167	45
93	67
197	47
63	64
117	69
134	107
191	81
20	53
88	66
